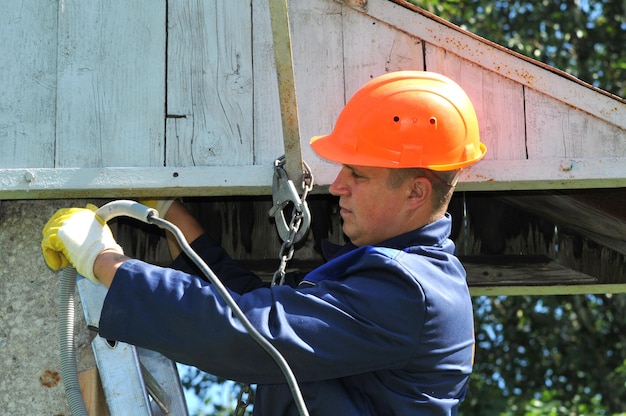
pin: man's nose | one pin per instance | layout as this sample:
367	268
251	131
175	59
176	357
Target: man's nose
339	186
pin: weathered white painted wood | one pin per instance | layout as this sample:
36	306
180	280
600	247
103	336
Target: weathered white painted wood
320	79
373	48
28	73
209	84
556	129
110	96
268	137
496	58
562	173
111	76
370	48
135	182
489	175
498	101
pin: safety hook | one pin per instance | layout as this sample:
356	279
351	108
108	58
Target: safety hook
284	193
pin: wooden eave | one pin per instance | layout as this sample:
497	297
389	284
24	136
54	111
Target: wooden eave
596	214
511	52
517	98
549	135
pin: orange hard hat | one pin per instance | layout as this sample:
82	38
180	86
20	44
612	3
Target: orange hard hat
405	119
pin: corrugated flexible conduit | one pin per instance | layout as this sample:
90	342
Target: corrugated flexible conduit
69	370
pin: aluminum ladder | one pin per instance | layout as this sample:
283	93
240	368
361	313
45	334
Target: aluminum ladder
136	381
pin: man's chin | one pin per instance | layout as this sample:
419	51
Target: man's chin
346	232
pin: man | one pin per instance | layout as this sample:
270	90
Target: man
384	327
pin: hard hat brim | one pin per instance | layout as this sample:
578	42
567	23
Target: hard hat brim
326	148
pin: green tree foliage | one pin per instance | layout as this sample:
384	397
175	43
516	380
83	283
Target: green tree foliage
561	355
582	37
216	396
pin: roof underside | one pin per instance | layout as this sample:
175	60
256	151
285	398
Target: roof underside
172	105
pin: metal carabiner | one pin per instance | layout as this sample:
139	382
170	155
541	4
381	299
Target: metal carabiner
284	193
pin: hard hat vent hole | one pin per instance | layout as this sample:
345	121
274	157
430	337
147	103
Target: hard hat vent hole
396	118
433	121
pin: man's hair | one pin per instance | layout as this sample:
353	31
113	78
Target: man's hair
442	183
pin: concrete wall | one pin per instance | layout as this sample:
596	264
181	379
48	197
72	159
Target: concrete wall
30	381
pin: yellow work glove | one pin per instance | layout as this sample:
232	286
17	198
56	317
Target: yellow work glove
161	205
76	236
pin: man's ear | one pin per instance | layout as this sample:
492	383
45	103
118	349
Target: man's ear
420	192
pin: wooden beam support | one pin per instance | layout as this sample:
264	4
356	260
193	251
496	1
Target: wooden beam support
545	174
50	183
93	393
584	216
525	275
528	276
495	276
598	289
488	175
528	270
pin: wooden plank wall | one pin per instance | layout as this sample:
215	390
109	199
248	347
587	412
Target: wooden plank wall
209	84
28	72
109	101
82	84
112	95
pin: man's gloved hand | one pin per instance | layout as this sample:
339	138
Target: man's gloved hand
161	205
76	236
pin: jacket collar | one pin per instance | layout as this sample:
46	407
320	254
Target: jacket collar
433	234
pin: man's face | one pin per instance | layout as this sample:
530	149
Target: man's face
372	211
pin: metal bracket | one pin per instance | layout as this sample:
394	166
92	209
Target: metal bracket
283	59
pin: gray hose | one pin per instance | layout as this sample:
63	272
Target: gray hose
69	370
67	288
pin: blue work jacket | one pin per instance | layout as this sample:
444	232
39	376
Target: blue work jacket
376	330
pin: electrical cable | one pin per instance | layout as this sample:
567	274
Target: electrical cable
223	292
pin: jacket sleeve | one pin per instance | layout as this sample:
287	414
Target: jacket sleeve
362	322
232	275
